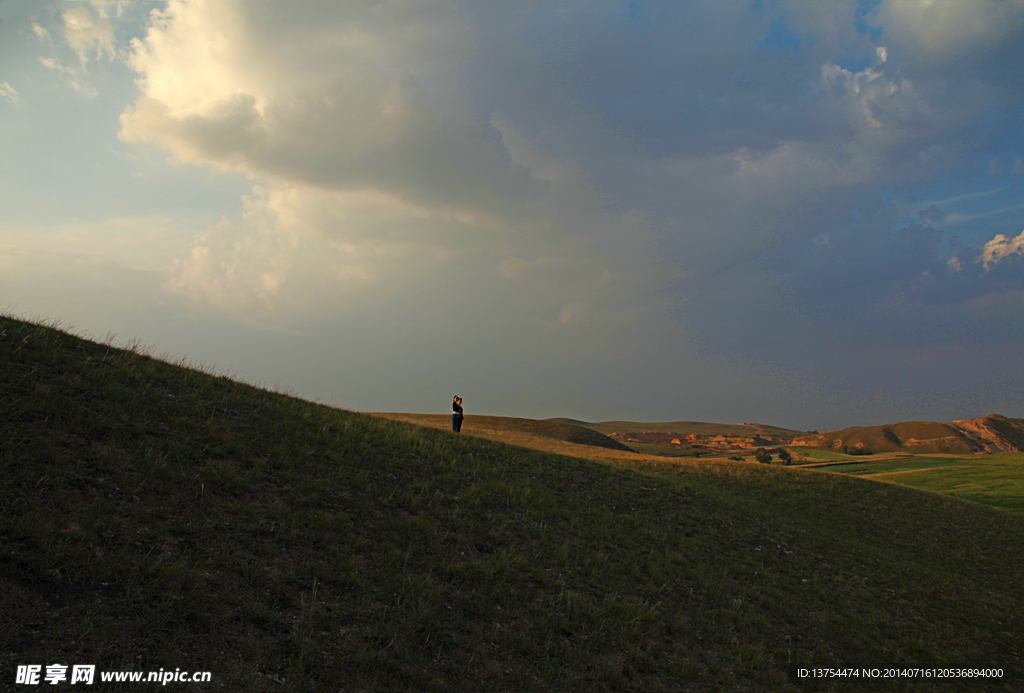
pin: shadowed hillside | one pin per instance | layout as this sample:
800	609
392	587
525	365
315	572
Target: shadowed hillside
155	517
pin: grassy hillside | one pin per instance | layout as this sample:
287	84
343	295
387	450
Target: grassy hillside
157	517
486	426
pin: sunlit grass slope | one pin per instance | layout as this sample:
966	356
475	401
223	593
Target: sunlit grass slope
896	437
509	427
153	516
996	480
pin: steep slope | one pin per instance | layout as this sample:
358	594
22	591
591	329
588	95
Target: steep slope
993	433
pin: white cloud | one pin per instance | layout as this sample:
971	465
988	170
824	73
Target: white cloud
41	32
891	106
948	28
8	92
370	171
299	249
336	100
89	36
73	76
1000	248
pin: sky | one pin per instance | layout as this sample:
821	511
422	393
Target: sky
805	213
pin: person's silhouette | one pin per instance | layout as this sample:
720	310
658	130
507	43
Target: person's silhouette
457	414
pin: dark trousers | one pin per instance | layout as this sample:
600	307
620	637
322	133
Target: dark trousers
456	423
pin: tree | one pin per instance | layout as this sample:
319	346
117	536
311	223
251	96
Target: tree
785	456
762	456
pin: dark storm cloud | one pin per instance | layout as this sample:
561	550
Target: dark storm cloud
759	166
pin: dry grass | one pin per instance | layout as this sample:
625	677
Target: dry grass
494	428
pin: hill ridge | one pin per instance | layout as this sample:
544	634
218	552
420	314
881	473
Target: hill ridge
988	434
683	427
993	433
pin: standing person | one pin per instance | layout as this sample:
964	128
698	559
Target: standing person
457	415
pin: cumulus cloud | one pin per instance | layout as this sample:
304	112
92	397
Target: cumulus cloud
295	242
371	168
588	161
1001	248
877	100
333	101
947	29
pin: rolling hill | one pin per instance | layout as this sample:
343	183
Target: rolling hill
993	433
703	428
157	517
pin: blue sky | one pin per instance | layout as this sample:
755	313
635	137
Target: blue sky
809	214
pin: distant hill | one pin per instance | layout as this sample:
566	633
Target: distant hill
993	433
571	422
746	430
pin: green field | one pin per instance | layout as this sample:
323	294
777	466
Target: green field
995	480
824	455
156	516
